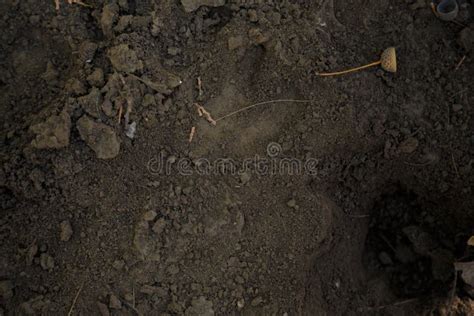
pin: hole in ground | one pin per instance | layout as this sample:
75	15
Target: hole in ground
414	249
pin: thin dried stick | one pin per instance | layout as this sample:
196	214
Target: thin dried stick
80	3
199	82
120	114
75	300
455	165
257	104
376	308
191	134
460	62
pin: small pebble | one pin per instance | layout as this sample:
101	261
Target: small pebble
256	301
149	216
46	262
291	203
66	231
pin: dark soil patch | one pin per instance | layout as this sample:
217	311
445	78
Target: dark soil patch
359	201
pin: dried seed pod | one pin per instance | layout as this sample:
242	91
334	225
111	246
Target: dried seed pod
388	60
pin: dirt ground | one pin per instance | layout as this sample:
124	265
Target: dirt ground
352	195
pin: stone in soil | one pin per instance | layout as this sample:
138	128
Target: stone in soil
53	133
149	216
99	137
192	5
124	59
408	146
66	231
235	42
46	262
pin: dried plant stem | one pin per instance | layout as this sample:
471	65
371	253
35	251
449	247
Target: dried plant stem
120	114
191	134
75	300
261	103
325	74
460	63
203	112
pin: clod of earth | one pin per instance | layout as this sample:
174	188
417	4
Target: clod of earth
54	133
91	103
124	59
388	62
66	231
108	18
466	38
99	137
46	262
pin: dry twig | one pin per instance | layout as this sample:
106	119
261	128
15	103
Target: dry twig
120	114
75	300
192	133
460	62
199	82
260	103
202	112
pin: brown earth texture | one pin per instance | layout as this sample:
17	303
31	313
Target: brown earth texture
185	157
